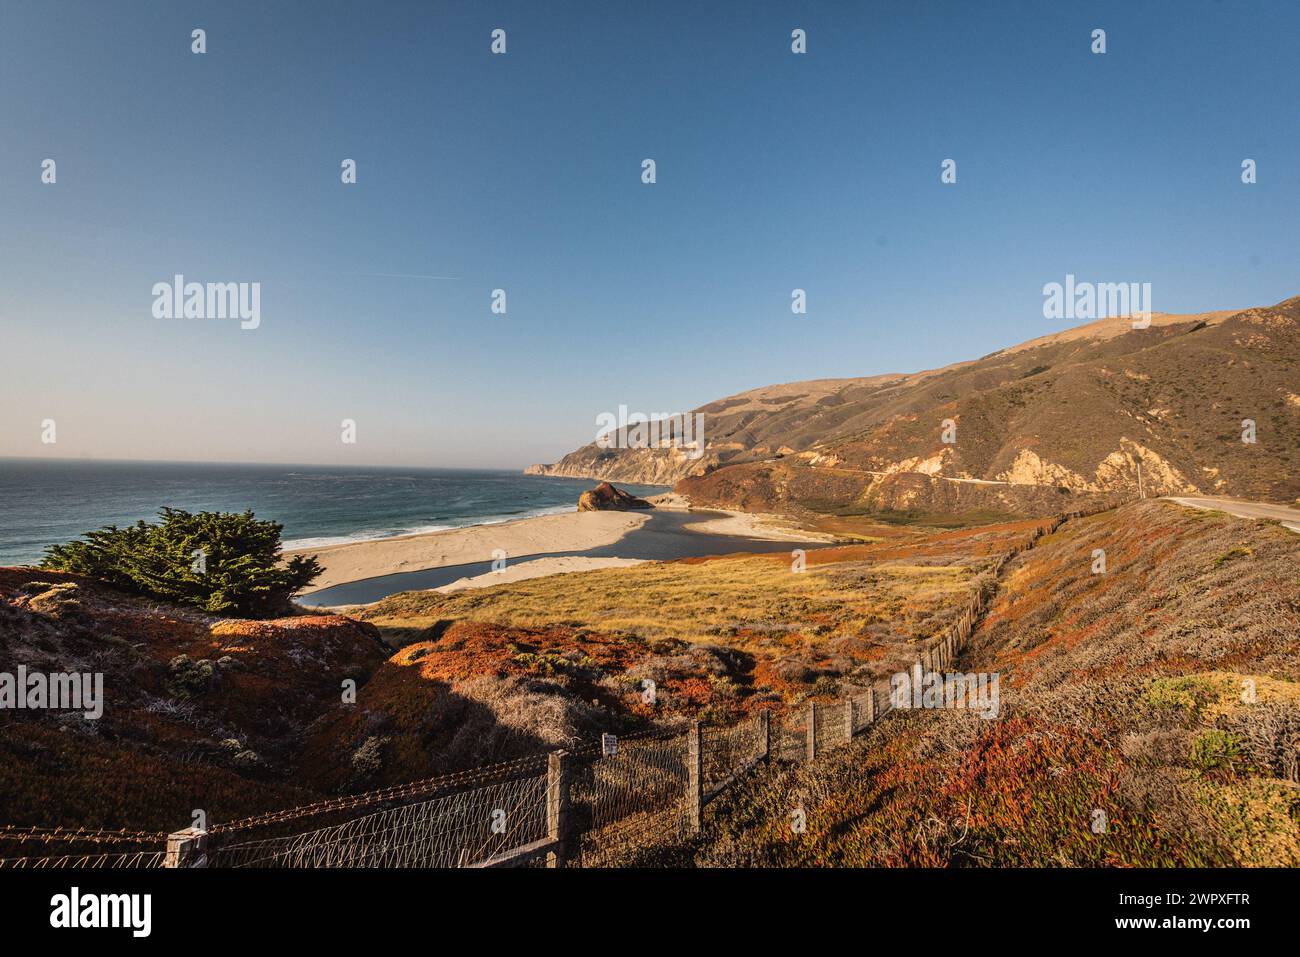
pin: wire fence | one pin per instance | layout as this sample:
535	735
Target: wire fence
790	736
92	862
623	801
452	831
726	752
79	848
592	806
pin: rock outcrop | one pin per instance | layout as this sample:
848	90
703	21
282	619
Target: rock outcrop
606	498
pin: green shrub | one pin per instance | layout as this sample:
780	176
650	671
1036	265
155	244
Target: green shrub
1216	749
1187	693
1232	553
241	572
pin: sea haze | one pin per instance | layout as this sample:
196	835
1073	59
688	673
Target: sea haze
44	502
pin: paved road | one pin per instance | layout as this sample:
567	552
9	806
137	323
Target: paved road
1289	517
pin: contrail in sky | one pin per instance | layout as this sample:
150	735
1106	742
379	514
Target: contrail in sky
396	275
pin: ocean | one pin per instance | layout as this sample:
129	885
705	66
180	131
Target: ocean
44	502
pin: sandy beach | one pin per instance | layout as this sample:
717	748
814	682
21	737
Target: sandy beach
564	532
568	531
538	568
770	527
747	524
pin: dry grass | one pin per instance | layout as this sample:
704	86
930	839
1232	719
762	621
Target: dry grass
1163	693
720	599
520	667
903	589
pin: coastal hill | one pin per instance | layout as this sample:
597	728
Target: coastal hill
1077	413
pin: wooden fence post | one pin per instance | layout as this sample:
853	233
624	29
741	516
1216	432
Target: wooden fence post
764	735
694	779
557	806
187	848
848	720
812	730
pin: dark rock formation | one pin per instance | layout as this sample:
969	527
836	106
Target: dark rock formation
605	497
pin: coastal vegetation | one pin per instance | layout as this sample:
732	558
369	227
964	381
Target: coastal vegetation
1149	713
202	702
1150	717
221	562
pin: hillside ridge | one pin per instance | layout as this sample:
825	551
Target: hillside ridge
1099	408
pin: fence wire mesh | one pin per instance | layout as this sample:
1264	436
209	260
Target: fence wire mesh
97	861
727	752
620	802
864	710
832	729
790	736
459	830
78	847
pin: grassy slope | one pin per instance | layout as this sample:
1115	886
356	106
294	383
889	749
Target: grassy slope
499	672
253	720
1122	693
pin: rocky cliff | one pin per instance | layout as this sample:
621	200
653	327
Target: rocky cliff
663	466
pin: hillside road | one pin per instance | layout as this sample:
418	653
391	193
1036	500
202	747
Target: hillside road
1289	517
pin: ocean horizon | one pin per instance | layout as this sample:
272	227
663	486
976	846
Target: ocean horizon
45	502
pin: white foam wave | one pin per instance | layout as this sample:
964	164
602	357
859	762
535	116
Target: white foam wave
374	535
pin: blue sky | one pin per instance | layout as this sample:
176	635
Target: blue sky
522	172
